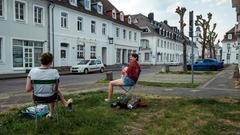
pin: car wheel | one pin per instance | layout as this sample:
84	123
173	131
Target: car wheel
188	67
86	71
101	70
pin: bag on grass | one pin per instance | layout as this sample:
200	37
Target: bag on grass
133	103
121	101
39	110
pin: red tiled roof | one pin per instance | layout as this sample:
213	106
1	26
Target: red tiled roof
234	37
106	6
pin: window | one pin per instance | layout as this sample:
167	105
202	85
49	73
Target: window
117	32
87	4
80	51
100	8
64	20
79	23
1	8
38	15
118	58
161	44
135	36
130	35
114	14
93	52
229	36
63	54
93	27
73	2
23	52
104	28
124	33
1	42
146	56
20	12
98	62
236	56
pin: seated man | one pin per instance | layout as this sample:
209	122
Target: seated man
129	77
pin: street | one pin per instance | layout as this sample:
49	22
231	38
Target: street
18	85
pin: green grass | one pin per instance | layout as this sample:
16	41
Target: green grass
164	115
168	85
158	84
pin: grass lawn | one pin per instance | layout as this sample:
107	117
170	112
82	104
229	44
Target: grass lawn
159	84
164	115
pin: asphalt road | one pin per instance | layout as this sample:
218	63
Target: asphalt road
18	85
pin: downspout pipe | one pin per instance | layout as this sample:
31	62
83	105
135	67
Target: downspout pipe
53	42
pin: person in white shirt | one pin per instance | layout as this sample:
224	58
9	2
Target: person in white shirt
41	91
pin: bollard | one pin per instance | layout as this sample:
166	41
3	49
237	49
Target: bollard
165	68
109	76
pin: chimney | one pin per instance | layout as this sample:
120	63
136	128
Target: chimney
166	22
151	16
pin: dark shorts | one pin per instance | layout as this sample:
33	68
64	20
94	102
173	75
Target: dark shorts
128	81
50	99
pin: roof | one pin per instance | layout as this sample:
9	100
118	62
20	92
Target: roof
106	7
234	37
154	26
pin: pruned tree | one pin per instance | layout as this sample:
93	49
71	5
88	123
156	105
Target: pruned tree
181	11
204	24
211	38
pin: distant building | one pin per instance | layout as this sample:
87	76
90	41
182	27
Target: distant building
160	42
229	47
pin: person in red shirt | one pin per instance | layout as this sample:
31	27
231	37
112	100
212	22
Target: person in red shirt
130	76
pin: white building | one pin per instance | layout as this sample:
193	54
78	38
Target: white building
229	47
70	29
160	43
23	34
92	29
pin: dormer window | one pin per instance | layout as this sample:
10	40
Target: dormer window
121	16
129	20
135	20
87	4
73	2
229	36
114	14
100	8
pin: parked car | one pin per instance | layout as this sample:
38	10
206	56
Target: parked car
86	66
206	64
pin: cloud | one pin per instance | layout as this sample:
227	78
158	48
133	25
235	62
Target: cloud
215	2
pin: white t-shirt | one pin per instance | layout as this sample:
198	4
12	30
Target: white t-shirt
43	90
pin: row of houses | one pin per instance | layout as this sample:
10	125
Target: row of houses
81	29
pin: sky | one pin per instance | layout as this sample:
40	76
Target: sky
223	13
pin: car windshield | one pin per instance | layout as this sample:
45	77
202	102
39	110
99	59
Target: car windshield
83	62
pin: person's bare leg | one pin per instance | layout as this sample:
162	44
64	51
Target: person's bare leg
110	87
51	109
64	102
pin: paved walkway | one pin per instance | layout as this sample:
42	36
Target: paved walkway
220	86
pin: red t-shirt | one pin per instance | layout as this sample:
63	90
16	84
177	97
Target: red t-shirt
133	70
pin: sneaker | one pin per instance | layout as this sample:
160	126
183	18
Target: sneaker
107	100
69	106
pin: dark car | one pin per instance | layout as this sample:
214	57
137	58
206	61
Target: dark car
206	64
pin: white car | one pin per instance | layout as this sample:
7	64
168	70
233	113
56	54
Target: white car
85	66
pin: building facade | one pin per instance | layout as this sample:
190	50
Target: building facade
160	43
23	34
236	4
70	29
229	47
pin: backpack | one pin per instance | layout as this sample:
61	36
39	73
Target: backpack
41	111
121	101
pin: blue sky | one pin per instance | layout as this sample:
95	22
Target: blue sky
223	13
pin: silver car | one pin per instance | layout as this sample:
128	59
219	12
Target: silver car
86	66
